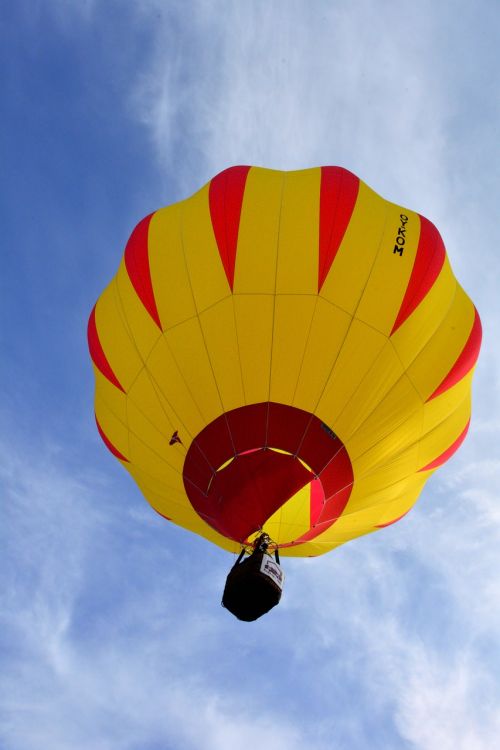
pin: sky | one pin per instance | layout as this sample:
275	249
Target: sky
112	635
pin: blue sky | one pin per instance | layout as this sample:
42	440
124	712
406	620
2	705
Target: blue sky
112	635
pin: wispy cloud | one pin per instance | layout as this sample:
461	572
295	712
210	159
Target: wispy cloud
381	88
103	647
81	672
423	613
294	85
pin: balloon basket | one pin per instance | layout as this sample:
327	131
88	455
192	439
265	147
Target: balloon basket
254	585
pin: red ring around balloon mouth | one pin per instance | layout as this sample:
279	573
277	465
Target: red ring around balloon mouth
248	462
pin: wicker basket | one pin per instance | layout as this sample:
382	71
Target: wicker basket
253	586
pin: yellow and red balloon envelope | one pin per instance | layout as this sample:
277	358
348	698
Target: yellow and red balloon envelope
286	352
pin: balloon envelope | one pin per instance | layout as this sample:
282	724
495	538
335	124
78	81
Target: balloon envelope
286	352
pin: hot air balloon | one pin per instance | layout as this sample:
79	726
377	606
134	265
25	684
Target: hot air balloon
284	357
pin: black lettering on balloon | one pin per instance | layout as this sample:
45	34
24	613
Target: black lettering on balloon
401	235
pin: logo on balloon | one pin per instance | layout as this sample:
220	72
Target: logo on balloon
401	236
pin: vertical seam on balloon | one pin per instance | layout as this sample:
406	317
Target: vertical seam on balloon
283	182
363	497
424	225
179	489
283	179
401	376
222	191
126	325
471	347
413	444
154	384
389	339
127	419
352	315
274	309
377	505
432	335
395	520
292	518
129	431
338	491
138	268
233	305
107	442
425	344
126	426
231	297
198	314
325	267
356	390
239	350
465	400
159	391
334	363
187	479
337	200
375	258
304	350
316	502
405	370
301	441
394	455
332	458
370	414
445	455
223	411
225	260
97	353
419	412
411	475
330	522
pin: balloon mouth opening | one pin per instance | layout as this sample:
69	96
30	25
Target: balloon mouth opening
253	464
230	460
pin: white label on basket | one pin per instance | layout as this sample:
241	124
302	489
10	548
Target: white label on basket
271	568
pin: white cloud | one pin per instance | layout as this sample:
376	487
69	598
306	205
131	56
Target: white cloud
293	85
380	88
416	605
151	667
89	665
449	708
114	637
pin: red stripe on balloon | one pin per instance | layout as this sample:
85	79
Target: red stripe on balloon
336	505
338	193
389	523
109	445
465	361
428	263
138	268
167	518
316	501
97	353
225	198
440	460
